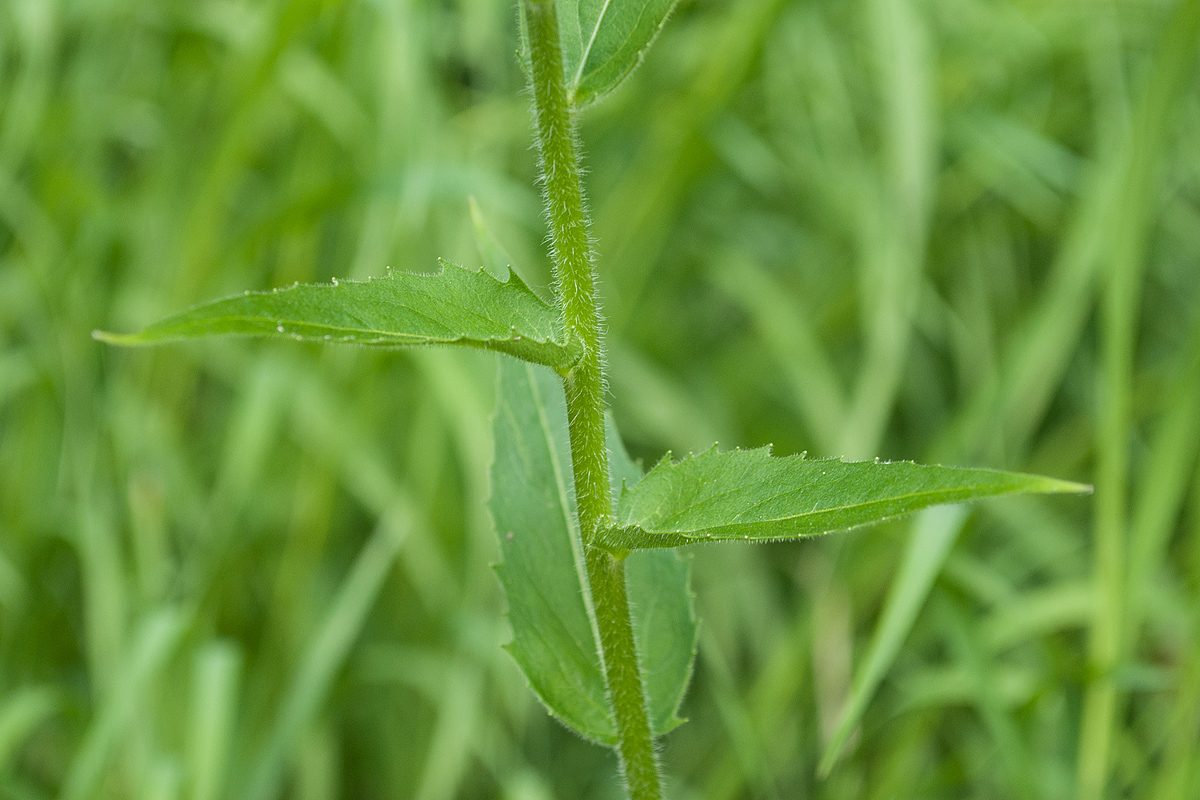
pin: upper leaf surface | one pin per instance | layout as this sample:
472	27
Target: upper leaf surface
604	40
455	306
749	494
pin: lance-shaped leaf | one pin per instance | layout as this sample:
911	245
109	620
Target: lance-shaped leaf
749	494
604	40
456	306
542	571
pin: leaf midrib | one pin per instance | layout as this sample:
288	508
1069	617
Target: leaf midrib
696	532
587	51
368	331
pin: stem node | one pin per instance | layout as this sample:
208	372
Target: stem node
575	290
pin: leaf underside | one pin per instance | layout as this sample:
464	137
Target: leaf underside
604	40
554	640
752	495
455	306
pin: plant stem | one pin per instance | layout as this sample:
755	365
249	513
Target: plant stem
575	284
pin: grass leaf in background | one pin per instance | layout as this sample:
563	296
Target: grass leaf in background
748	494
215	675
21	711
455	306
604	41
149	650
323	657
935	532
533	506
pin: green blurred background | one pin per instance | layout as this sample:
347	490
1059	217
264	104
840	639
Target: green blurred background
963	231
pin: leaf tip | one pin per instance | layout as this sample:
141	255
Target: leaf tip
123	339
836	745
1059	486
664	463
826	765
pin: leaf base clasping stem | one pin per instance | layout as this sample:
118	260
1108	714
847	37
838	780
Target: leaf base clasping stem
584	387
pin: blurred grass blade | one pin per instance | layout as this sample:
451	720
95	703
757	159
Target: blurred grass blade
985	696
324	656
1038	612
151	646
20	714
17	373
1179	763
455	306
215	681
496	259
102	570
1127	259
658	407
604	40
161	780
533	506
894	210
746	758
337	439
1163	488
934	534
309	81
639	211
789	336
750	495
449	746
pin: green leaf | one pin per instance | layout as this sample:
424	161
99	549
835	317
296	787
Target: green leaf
454	306
749	494
658	583
604	40
542	572
532	508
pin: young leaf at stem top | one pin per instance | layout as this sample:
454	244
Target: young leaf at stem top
604	40
751	495
455	306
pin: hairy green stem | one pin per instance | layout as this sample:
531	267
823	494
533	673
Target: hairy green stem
584	386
